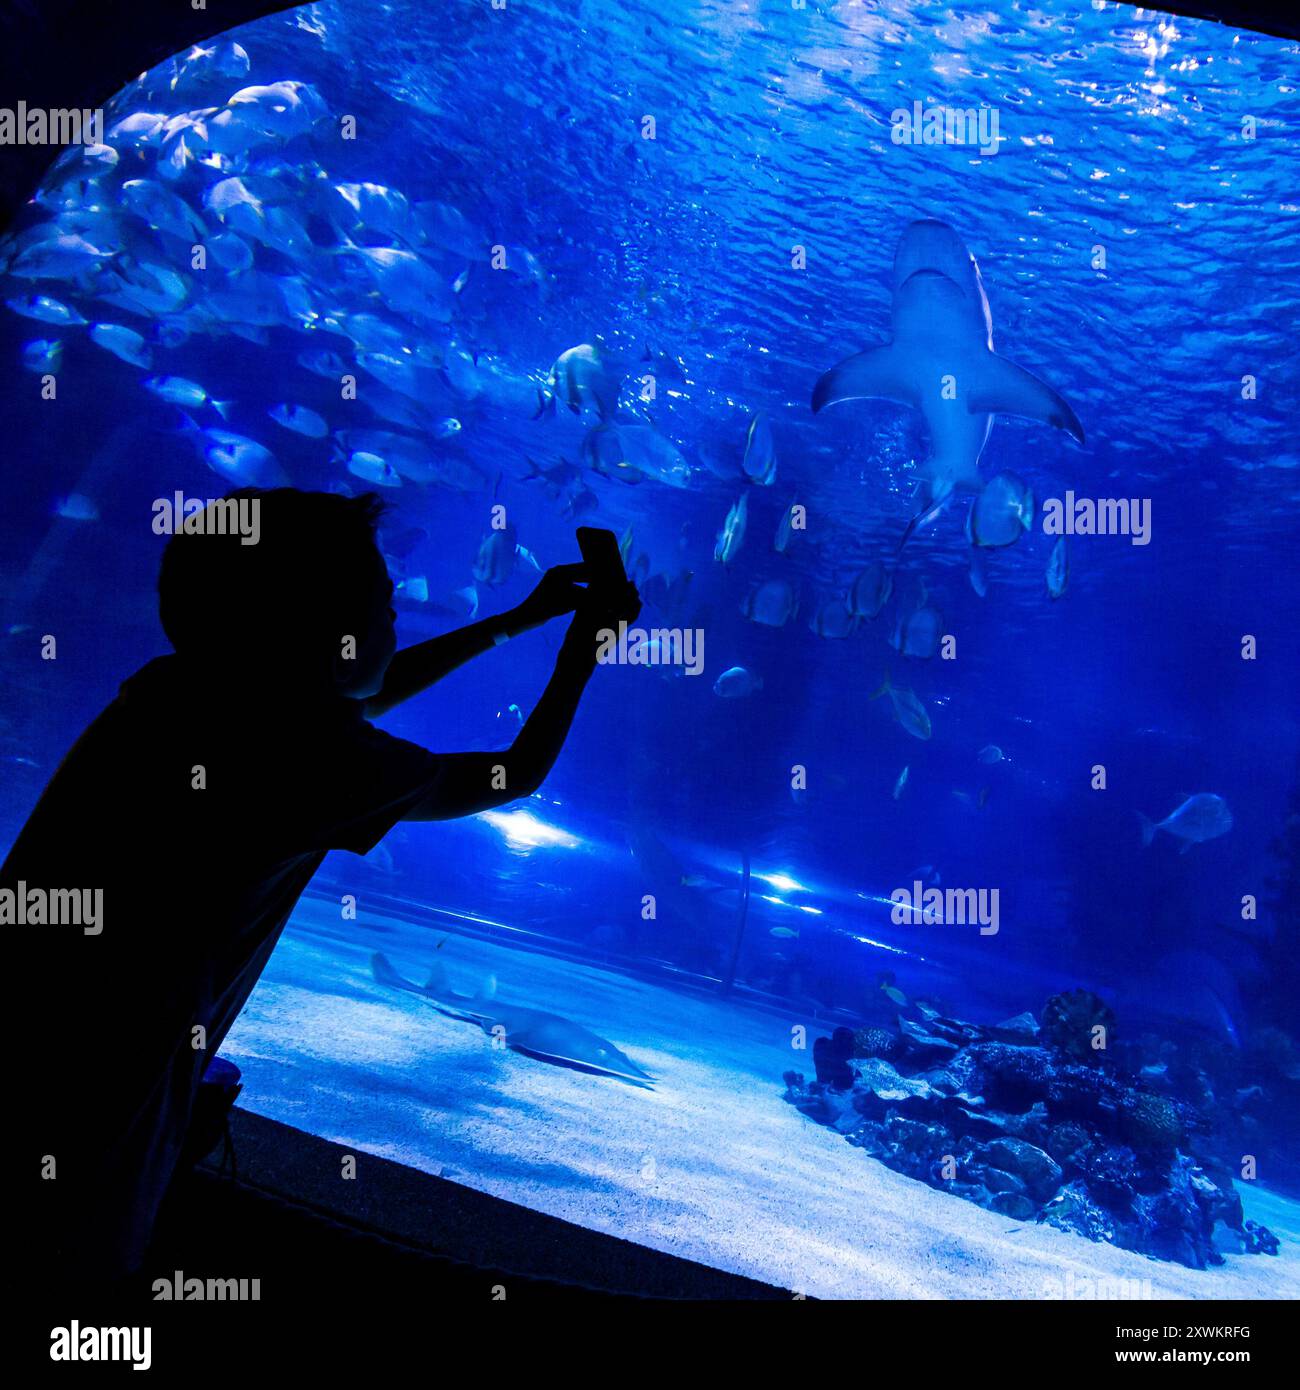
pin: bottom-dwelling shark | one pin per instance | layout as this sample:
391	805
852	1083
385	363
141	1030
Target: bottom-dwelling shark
545	1036
941	362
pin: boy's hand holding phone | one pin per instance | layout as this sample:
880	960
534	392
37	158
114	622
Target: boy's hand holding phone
610	597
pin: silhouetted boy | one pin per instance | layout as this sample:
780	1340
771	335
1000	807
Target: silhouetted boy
201	802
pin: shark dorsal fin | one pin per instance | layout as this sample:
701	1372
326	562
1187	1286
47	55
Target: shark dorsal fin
382	969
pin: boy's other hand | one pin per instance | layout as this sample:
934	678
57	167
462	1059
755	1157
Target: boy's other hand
610	604
558	592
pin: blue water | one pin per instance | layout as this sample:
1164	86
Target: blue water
675	254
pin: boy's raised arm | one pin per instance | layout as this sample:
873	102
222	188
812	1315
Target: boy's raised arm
417	668
474	782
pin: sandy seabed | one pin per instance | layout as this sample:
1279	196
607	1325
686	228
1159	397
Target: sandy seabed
711	1164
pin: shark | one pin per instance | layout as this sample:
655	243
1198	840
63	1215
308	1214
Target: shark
940	361
533	1032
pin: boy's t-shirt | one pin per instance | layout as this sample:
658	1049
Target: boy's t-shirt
201	815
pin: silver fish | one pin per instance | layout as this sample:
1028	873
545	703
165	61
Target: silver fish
833	619
177	390
640	447
300	420
45	310
372	207
871	591
1001	513
760	451
908	710
231	252
57	258
241	460
918	633
373	469
495	562
1058	568
579	378
43	355
772	603
785	530
737	682
161	208
122	342
732	535
1198	818
901	783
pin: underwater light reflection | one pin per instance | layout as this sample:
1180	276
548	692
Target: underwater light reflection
522	830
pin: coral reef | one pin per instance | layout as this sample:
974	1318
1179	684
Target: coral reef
874	1042
1032	1121
1069	1020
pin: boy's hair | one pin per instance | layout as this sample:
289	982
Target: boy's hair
309	578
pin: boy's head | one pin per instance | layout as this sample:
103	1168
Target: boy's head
307	604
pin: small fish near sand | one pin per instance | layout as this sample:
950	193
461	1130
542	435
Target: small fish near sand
547	1037
1204	816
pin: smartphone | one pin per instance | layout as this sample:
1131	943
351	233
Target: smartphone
601	556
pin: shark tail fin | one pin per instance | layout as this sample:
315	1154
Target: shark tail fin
1148	827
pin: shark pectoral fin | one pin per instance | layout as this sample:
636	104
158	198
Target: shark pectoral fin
1005	389
877	372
